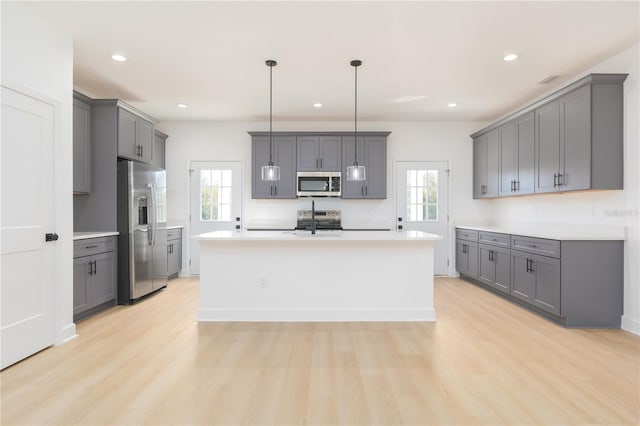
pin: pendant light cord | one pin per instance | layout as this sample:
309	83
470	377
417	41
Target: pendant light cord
355	129
270	114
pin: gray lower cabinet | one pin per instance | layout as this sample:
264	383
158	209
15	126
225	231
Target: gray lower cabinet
95	276
81	145
174	252
494	267
577	283
467	258
372	153
569	141
284	156
158	152
135	136
319	153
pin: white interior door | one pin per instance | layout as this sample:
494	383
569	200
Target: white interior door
216	201
27	215
422	203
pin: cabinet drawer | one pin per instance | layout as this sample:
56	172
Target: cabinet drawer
541	246
500	240
466	234
93	246
174	234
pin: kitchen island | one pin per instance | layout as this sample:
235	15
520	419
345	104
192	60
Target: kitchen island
330	276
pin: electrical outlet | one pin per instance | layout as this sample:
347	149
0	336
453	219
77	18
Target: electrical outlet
262	283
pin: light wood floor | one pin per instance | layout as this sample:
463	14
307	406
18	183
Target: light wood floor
485	361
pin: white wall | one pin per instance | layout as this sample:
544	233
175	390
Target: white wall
428	141
39	57
603	208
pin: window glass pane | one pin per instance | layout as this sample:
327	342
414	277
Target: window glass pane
215	195
216	177
205	177
225	195
226	177
205	203
422	177
225	212
420	210
411	178
433	212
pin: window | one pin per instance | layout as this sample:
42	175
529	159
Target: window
215	195
422	195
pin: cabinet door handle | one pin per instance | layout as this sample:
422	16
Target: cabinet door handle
317	163
531	267
366	190
141	151
321	165
91	268
560	176
518	185
271	190
528	265
555	180
89	247
362	191
95	268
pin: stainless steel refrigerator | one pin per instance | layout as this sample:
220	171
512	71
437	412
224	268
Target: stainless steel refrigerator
142	223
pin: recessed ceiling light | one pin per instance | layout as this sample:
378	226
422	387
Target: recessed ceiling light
452	104
181	105
510	57
409	98
317	105
118	57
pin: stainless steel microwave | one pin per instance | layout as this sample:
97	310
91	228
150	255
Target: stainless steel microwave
318	184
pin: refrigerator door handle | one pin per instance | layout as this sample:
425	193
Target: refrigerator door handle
152	210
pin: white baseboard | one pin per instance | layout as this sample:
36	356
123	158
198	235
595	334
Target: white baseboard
631	325
68	332
315	315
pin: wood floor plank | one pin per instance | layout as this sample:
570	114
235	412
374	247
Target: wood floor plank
485	361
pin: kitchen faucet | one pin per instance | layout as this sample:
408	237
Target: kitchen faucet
313	217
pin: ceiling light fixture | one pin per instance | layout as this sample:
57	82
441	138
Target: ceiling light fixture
317	105
452	104
355	171
270	172
182	105
118	57
510	57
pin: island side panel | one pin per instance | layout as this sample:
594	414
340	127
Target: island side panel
316	280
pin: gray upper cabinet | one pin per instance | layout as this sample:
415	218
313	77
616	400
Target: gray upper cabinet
372	153
81	145
485	165
135	137
319	153
284	156
569	141
159	147
517	145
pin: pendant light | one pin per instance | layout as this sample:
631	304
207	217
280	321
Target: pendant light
270	172
355	171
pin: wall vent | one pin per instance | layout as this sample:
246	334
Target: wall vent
549	79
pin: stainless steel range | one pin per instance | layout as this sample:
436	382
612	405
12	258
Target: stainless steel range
324	220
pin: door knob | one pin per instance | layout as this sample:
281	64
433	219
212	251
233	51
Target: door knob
51	237
399	219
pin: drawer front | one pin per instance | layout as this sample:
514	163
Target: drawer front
466	234
174	234
500	240
93	246
541	246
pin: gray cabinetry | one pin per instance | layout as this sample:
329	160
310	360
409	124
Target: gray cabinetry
516	153
577	283
319	153
485	165
372	153
494	261
94	276
467	252
174	252
571	140
284	156
135	136
158	152
81	144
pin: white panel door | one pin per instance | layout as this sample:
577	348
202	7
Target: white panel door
422	203
216	201
27	215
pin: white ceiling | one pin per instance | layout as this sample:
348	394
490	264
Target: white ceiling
211	55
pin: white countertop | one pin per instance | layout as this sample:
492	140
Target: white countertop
562	232
175	226
320	235
87	235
